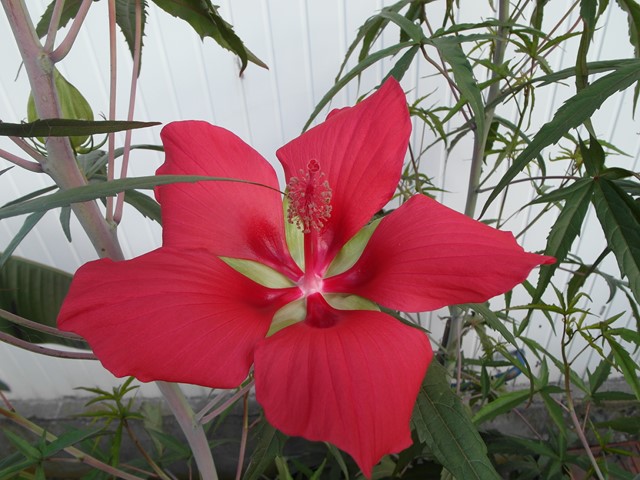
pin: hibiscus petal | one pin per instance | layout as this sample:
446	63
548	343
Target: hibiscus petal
228	218
171	315
360	150
424	256
353	384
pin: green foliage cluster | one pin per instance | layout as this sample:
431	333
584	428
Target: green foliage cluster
460	396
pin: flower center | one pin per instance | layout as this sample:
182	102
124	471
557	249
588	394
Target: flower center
309	199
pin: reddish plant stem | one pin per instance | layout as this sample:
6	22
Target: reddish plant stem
18	320
50	352
65	46
21	162
60	162
112	100
117	216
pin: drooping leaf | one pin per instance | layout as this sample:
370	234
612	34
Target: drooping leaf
441	421
59	127
402	65
619	216
29	222
632	9
204	18
592	156
451	51
33	291
564	231
69	12
104	189
146	205
600	374
126	20
625	363
571	114
65	220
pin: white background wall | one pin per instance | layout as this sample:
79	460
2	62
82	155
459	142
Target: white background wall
303	42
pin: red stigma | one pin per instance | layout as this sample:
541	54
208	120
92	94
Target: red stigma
309	199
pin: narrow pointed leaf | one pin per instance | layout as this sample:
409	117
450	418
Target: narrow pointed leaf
626	364
571	114
502	404
146	205
441	421
619	216
59	127
452	53
99	190
353	73
564	232
30	222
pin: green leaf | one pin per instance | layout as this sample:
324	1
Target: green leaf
28	450
104	189
571	114
59	127
441	421
632	9
32	291
626	364
65	219
403	64
493	321
619	216
600	374
30	222
353	73
68	439
407	26
504	403
564	231
146	205
204	18
626	424
126	20
452	53
69	12
592	156
269	444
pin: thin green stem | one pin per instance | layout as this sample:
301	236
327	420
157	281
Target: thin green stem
480	140
74	452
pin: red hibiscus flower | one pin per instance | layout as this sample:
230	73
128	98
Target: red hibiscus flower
328	364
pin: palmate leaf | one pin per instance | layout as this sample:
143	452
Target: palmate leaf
204	18
619	216
33	291
571	114
59	127
441	421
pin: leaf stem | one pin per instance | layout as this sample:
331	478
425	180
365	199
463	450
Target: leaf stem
117	215
13	318
21	162
50	352
54	24
192	429
65	46
571	407
452	343
113	69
